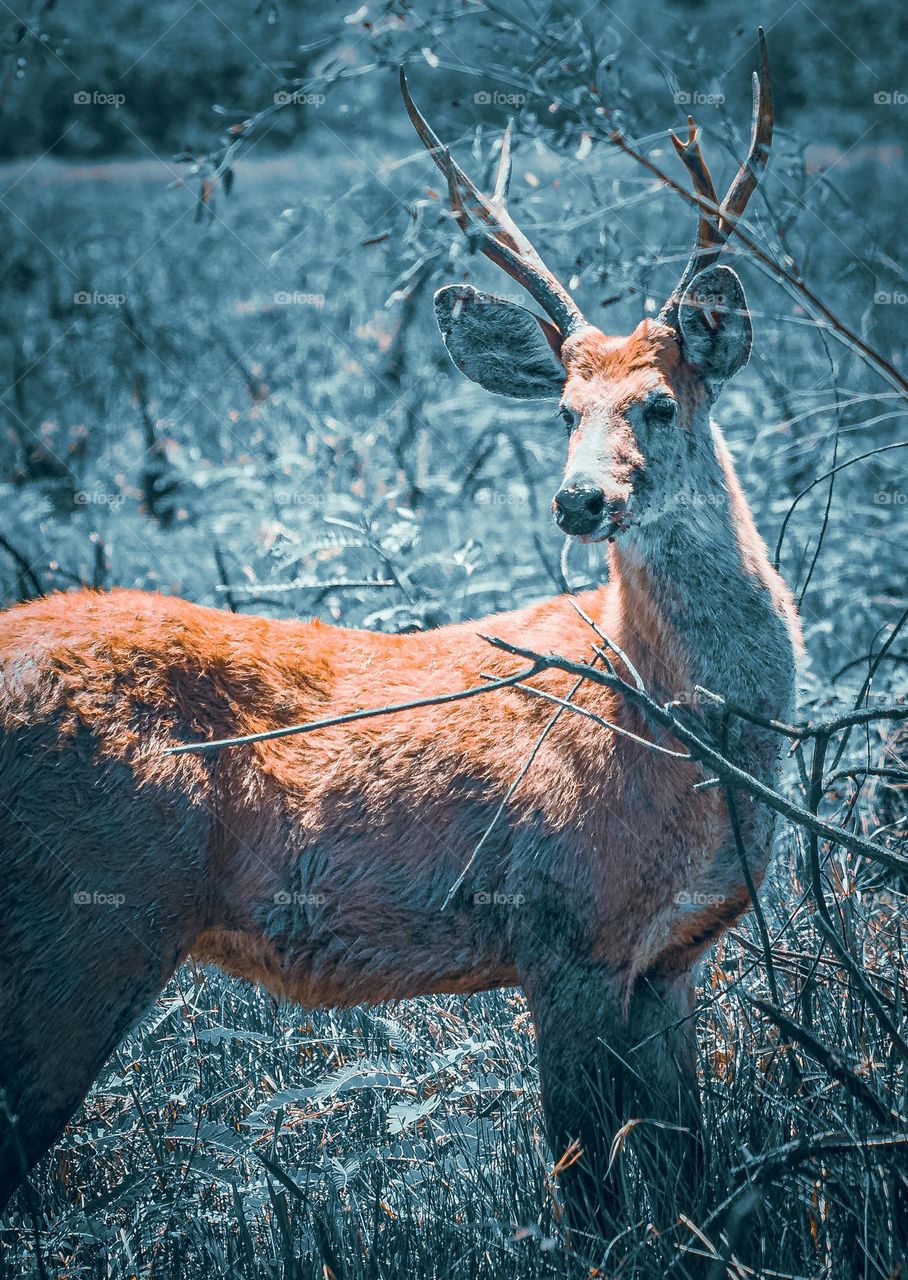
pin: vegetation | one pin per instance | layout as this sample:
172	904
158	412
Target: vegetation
221	380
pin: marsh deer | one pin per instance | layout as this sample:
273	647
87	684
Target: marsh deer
322	865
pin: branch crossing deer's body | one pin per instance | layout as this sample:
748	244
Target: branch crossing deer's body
321	865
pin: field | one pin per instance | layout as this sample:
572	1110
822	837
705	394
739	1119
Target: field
234	392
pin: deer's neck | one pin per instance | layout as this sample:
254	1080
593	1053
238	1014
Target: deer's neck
694	600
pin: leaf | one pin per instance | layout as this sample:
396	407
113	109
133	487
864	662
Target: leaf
217	1035
283	1178
405	1115
347	1078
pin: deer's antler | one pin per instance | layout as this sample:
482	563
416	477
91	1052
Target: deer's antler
500	239
715	228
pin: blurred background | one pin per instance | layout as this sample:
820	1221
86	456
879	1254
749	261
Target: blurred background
220	377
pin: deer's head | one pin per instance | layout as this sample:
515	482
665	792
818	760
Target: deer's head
635	408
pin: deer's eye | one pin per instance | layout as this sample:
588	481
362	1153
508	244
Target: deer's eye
661	409
568	417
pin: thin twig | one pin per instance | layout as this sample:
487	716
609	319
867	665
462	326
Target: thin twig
506	799
707	754
351	717
828	1059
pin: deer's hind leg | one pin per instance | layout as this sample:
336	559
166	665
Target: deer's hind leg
602	1065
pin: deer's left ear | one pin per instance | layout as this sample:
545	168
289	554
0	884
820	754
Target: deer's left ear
716	333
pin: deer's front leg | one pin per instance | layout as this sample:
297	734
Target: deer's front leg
600	1067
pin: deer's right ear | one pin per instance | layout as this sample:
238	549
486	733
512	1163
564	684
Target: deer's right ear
499	344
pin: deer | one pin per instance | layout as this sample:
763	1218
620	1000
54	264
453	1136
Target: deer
388	856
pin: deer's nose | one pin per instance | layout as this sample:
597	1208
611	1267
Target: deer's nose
578	508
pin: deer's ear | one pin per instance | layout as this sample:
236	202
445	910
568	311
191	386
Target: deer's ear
499	344
716	333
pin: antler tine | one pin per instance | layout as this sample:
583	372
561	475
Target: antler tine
708	250
458	208
503	172
500	239
748	175
692	158
431	141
